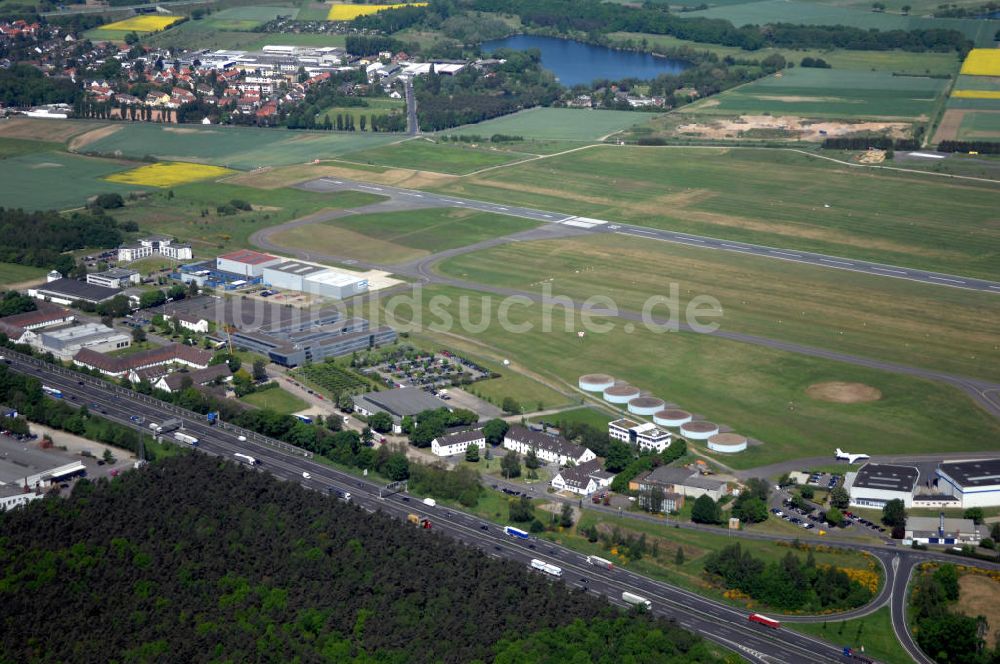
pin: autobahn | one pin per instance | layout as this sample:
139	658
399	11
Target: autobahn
717	622
425	198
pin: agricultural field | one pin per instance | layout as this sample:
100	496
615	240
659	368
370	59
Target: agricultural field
899	62
244	18
426	155
973	110
772	197
14	273
169	174
396	237
45	131
57	180
865	315
349	12
831	93
814	13
873	632
276	399
591	416
242	148
144	24
749	388
982	62
566	124
190	212
376	106
332	379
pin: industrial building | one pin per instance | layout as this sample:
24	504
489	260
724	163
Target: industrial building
63	291
644	435
25	465
13	496
942	530
245	262
116	277
314	344
973	483
160	245
207	275
313	279
684	481
583	479
458	442
44	316
399	403
66	342
550	448
874	485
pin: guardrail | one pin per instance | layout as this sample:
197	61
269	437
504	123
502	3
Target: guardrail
131	395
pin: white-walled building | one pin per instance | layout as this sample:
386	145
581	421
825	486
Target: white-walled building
875	484
154	245
643	434
191	322
943	530
245	262
116	277
314	279
458	442
973	483
548	447
66	342
583	479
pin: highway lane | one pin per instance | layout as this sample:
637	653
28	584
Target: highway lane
715	621
687	239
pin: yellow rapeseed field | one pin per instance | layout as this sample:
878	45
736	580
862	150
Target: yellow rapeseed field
145	23
351	12
982	62
976	94
168	174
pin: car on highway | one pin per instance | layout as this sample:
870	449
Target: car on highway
306	475
484	526
242	439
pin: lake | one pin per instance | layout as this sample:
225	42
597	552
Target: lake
576	63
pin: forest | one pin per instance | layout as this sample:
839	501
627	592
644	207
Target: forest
595	17
194	558
947	636
789	584
40	238
23	85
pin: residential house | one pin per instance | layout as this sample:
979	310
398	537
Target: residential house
683	481
583	479
549	448
458	442
175	381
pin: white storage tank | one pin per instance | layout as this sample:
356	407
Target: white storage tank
645	405
620	393
727	443
596	382
671	417
699	430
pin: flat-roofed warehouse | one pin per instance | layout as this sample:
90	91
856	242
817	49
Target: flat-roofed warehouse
24	464
398	403
974	483
314	279
875	484
245	262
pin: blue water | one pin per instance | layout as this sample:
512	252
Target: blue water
576	63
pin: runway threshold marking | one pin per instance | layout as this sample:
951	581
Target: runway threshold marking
885	269
954	281
827	260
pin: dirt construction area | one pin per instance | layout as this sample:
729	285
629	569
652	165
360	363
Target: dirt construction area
838	392
788	126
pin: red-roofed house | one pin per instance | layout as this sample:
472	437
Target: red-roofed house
117	366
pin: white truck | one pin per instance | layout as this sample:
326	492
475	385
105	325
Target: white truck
185	438
636	600
548	568
430	502
167	426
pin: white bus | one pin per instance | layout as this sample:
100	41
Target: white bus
245	458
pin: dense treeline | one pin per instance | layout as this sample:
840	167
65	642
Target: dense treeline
788	584
364	45
192	556
395	20
984	147
15	303
40	238
473	95
23	85
866	142
593	16
986	10
948	637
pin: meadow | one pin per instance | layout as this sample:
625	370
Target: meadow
376	106
56	180
242	148
773	197
426	155
831	93
873	632
14	273
244	18
567	124
758	391
276	399
813	13
396	237
189	212
889	319
900	62
169	174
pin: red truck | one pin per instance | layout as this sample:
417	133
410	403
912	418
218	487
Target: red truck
764	620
